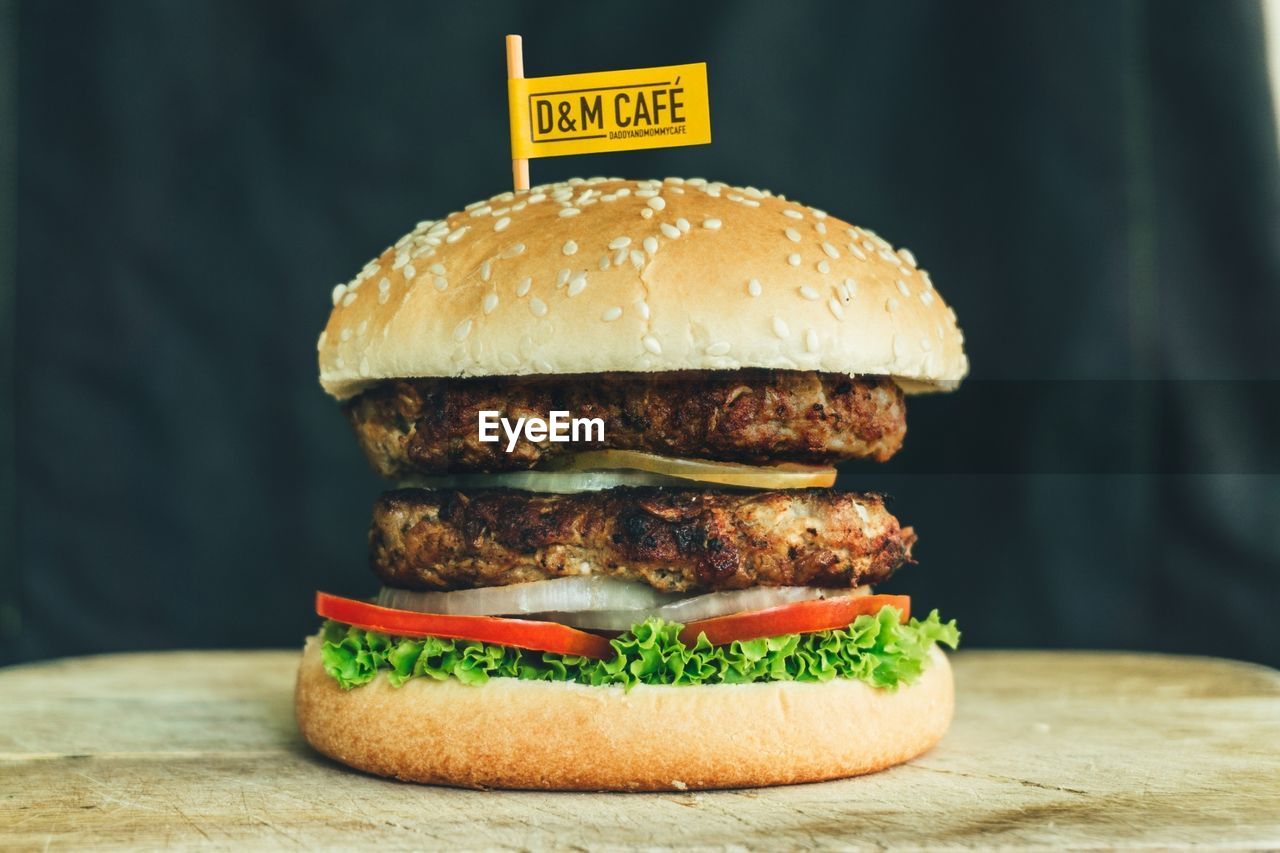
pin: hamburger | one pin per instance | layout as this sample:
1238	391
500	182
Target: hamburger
672	596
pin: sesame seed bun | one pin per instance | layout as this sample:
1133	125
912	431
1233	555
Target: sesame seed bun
559	736
615	275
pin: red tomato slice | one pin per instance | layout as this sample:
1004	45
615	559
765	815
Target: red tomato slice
519	633
799	618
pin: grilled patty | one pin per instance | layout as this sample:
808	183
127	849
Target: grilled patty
674	540
430	426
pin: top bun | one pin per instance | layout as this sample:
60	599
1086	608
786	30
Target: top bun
598	275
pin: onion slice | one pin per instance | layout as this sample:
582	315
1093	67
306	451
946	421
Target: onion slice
602	603
554	482
575	594
783	476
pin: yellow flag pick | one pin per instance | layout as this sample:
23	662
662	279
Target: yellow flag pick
603	111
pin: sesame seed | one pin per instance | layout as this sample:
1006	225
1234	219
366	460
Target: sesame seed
669	231
830	250
604	262
523	287
820	227
481	211
824	267
811	341
486	270
891	305
568	211
780	327
622	192
792	234
926	344
620	258
719	348
401	259
344	335
657	202
456	235
646	213
651	344
436	269
619	242
440	283
637	258
512	251
836	308
643	308
820	214
793	259
753	287
856	252
339	362
577	284
348	299
537	197
563	278
734	197
849	288
711	224
474	205
519	206
339	291
809	293
793	214
537	307
463	329
650	245
683	225
501	224
570	247
868	245
384	284
490	303
439	229
889	256
611	314
926	296
907	256
928	282
646	193
903	289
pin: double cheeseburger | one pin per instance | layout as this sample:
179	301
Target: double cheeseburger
676	599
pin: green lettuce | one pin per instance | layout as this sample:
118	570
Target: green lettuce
878	650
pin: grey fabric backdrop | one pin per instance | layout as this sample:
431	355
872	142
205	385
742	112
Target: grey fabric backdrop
1094	186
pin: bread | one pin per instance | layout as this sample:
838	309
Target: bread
616	275
561	736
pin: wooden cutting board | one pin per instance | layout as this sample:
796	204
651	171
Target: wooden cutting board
1048	750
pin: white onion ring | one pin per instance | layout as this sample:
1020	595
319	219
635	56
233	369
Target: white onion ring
555	482
574	594
601	603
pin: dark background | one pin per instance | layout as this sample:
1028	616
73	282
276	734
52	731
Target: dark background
1093	185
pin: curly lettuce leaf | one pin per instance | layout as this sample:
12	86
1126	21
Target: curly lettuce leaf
878	650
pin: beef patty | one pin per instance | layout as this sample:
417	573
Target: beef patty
430	426
673	539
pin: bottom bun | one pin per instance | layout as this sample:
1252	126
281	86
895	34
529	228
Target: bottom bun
559	736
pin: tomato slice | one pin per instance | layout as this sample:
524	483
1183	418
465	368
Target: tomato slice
518	633
799	618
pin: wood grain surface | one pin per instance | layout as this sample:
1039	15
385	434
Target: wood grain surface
1048	750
